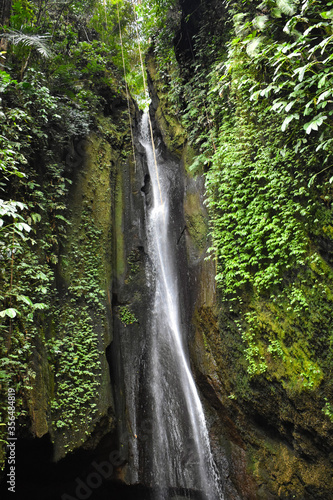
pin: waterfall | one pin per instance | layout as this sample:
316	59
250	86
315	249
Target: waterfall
180	449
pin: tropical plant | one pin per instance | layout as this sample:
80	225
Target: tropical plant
32	41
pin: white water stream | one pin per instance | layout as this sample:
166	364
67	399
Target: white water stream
180	447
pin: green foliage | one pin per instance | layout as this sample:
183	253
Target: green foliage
259	196
255	98
259	220
152	16
328	410
126	316
276	349
75	360
298	71
268	157
22	14
38	42
43	113
253	352
116	23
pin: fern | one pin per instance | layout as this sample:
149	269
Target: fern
38	42
286	6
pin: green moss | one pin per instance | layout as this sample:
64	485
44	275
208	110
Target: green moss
80	329
188	157
75	348
133	266
173	133
196	222
119	228
280	337
78	374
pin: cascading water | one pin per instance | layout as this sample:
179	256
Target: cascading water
180	449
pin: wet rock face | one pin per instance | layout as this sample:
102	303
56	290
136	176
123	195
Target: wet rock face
131	302
133	291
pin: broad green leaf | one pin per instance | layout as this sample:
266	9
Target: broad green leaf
61	217
324	95
259	22
40	305
26	227
25	299
324	43
278	105
288	120
276	12
294	54
322	81
289	106
328	14
10	312
36	217
314	124
286	6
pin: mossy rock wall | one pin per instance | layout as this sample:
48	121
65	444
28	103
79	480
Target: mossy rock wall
72	396
82	329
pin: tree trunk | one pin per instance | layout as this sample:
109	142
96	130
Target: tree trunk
5	9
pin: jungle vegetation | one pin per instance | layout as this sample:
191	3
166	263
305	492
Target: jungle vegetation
254	97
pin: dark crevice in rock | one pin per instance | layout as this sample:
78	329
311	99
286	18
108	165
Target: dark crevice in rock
115	301
181	234
145	188
267	429
81	475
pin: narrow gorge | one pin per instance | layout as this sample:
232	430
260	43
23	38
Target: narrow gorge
166	275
